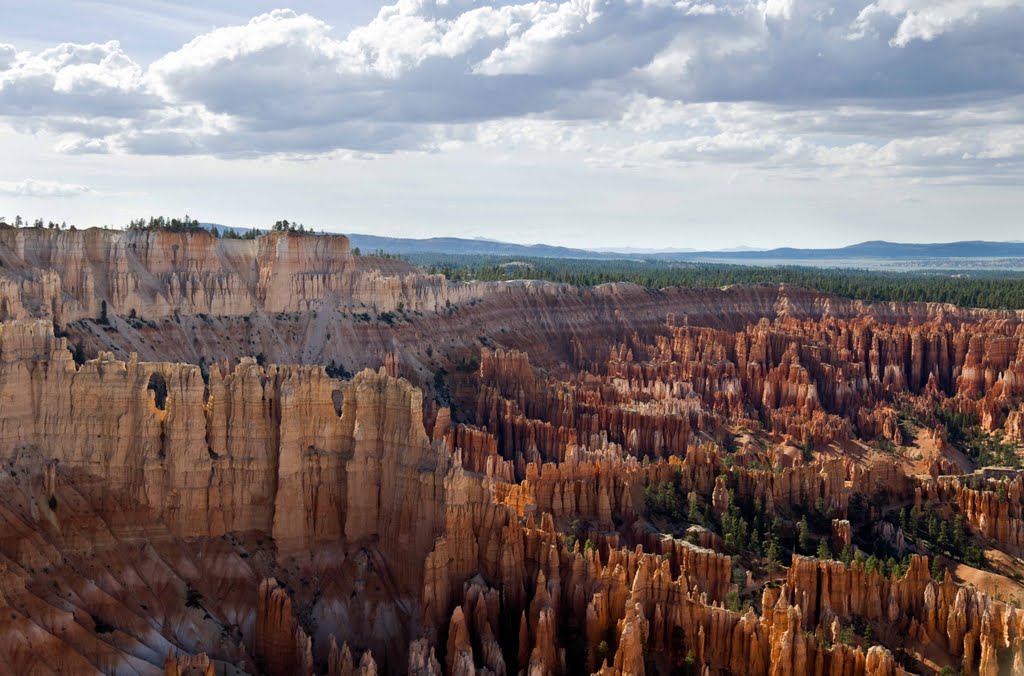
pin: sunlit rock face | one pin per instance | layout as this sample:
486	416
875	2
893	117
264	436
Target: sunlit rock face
292	460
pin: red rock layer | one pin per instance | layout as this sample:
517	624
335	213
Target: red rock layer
67	275
812	380
162	517
280	645
993	509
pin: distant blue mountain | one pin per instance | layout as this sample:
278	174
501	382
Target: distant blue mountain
872	249
483	247
876	249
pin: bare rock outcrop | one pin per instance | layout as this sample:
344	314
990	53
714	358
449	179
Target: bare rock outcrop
580	500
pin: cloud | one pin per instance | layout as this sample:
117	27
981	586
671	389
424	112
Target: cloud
8	55
80	81
985	145
779	9
33	188
908	87
928	19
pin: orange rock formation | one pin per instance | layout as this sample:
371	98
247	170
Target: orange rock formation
597	490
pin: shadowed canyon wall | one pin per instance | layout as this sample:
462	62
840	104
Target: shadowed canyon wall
190	491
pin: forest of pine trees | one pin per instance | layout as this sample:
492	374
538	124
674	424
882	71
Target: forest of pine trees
984	289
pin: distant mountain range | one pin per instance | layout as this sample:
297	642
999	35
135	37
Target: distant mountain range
873	250
864	250
480	247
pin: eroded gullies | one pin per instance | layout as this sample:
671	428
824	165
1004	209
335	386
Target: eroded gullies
529	477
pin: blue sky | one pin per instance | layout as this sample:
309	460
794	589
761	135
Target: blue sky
594	123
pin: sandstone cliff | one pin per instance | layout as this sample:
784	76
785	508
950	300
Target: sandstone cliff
556	502
67	275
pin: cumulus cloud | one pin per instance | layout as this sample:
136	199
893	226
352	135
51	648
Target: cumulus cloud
887	86
984	145
33	188
927	19
83	81
8	54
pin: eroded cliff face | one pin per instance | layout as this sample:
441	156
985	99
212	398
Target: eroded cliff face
305	299
160	434
608	480
343	469
68	275
386	540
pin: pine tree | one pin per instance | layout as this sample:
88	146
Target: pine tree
905	521
773	553
937	569
824	552
804	535
693	514
872	565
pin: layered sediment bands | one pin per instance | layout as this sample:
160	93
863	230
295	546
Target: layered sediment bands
579	496
347	471
815	381
969	625
992	506
550	321
68	275
342	468
478	449
303	299
95	585
630	598
252	449
65	275
280	646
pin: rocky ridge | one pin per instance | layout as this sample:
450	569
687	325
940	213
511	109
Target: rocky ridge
561	498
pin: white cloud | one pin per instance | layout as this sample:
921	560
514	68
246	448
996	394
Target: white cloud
33	188
985	145
92	80
776	84
779	9
8	55
926	19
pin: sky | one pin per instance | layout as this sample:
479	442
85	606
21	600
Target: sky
587	123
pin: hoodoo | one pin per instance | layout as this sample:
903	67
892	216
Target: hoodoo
271	456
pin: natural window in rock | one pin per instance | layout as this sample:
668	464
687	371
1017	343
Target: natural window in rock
159	387
338	397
